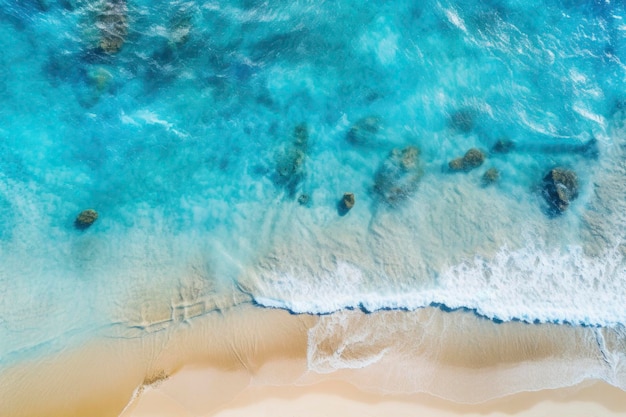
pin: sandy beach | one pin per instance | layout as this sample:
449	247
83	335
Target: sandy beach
339	398
207	391
254	361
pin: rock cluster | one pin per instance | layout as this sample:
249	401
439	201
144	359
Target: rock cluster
398	176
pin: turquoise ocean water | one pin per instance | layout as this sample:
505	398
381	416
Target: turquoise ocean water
216	141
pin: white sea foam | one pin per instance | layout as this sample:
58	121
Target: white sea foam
526	284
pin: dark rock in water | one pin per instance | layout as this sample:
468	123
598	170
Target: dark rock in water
490	176
399	175
462	120
345	204
85	218
348	200
113	25
560	187
472	159
364	131
503	146
304	199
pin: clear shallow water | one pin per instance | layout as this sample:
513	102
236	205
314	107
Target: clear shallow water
189	143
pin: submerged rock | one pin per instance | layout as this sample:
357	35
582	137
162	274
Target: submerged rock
100	78
301	136
304	199
399	175
290	160
181	25
472	159
85	218
113	25
503	146
560	187
462	120
364	131
490	176
290	163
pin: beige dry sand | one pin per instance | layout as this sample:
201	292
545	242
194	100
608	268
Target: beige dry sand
333	398
250	361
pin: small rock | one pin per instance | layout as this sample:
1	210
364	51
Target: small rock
86	218
456	164
303	199
503	146
473	159
560	187
348	200
491	176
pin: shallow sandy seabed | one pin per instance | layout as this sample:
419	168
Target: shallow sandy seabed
255	361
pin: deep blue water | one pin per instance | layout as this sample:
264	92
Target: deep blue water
217	141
